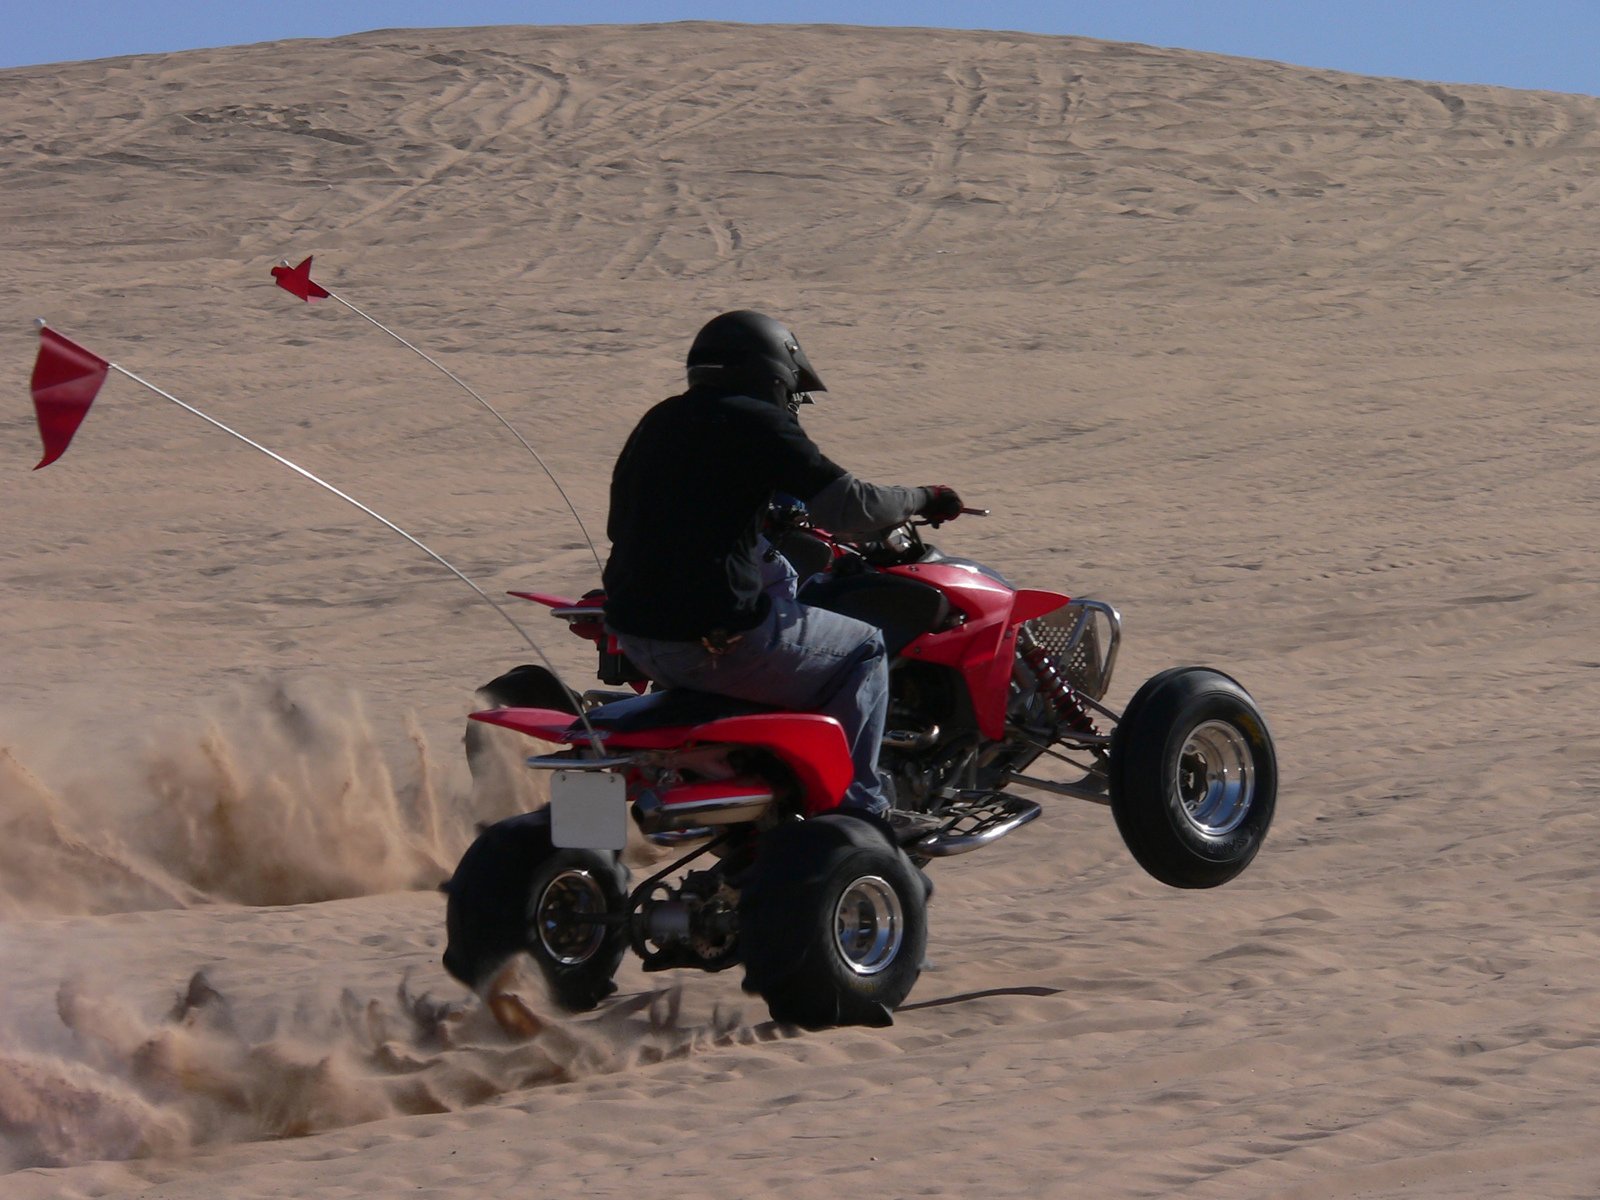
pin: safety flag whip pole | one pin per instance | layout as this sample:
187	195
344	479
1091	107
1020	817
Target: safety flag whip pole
297	281
66	379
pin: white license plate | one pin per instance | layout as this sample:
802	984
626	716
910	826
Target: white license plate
588	810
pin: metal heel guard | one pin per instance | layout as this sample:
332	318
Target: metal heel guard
973	820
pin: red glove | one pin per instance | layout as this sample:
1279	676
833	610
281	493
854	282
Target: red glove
942	505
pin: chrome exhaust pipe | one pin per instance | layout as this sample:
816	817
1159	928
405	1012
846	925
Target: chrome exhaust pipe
701	805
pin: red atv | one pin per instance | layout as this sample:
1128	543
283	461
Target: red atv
825	908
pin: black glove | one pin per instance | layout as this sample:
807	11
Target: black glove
942	505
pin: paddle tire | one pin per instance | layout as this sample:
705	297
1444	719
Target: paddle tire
832	923
526	686
1193	777
514	892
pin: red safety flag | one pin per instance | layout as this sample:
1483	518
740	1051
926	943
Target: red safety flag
66	379
298	282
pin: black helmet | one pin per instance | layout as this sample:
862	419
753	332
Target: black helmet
749	351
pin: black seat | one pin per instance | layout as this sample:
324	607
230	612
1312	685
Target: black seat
674	706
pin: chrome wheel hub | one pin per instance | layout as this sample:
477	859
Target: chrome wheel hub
559	912
869	925
1216	781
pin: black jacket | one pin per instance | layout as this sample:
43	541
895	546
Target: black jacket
688	495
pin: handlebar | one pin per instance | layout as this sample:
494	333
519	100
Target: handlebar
902	543
965	512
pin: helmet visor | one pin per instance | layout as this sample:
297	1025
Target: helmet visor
806	377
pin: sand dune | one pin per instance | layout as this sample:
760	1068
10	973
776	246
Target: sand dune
1293	366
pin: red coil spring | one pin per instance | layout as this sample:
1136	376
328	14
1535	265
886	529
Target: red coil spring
1069	707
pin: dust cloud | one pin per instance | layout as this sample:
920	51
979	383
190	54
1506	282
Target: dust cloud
205	1074
284	795
281	795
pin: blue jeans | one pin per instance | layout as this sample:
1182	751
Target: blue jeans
801	658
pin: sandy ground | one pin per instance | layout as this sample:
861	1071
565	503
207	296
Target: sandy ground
1295	367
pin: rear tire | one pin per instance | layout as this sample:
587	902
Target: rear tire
1193	777
833	923
526	686
514	892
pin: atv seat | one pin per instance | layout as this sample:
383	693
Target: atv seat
673	706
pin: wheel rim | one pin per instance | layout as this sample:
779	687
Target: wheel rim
570	895
1216	780
869	925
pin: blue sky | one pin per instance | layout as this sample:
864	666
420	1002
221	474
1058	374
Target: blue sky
1552	44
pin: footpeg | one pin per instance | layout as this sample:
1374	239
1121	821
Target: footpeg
974	820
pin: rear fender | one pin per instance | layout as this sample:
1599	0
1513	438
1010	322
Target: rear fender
809	744
549	725
546	724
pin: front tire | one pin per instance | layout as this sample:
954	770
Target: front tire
515	892
833	923
1193	777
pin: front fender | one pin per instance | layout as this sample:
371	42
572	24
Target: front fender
1030	603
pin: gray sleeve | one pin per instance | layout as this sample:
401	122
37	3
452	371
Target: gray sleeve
851	507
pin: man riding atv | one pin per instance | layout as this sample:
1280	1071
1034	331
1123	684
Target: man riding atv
688	584
825	911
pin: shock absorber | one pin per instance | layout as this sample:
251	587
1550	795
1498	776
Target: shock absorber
1053	684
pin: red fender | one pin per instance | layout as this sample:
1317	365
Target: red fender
811	745
546	724
983	646
1030	604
